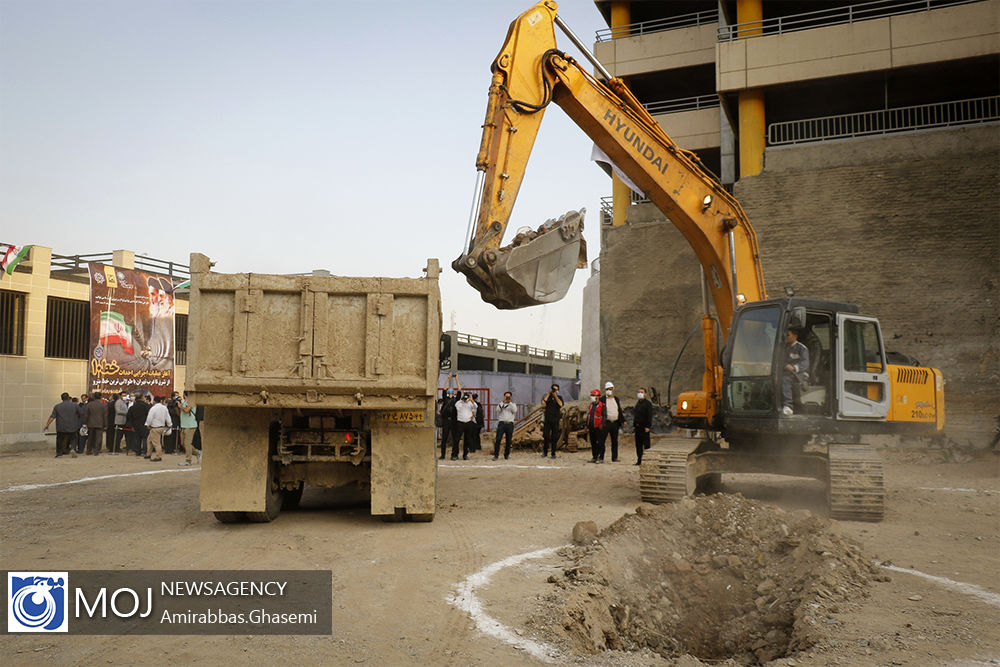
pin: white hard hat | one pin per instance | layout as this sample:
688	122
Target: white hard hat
609	385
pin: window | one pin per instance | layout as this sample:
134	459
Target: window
505	366
753	343
750	387
539	369
472	362
180	339
12	322
863	354
862	350
67	328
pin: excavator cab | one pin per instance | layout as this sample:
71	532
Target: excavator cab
536	267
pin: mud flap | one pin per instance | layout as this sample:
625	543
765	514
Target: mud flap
404	471
234	463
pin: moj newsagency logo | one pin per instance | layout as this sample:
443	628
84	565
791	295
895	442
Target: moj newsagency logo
36	601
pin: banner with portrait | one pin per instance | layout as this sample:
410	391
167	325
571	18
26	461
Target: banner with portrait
131	331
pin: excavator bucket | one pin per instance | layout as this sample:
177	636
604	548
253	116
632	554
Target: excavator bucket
537	266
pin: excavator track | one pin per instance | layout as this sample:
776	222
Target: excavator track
663	476
856	487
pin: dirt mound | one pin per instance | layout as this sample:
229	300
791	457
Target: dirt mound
718	578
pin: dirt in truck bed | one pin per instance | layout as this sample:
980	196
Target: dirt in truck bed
754	575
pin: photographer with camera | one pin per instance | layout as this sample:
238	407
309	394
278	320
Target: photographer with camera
553	403
448	424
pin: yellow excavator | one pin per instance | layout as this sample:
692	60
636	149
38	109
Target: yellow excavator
849	388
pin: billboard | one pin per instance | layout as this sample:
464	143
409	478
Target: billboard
131	331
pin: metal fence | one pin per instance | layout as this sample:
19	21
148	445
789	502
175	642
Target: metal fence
683	104
504	346
658	25
607	205
885	121
831	16
78	264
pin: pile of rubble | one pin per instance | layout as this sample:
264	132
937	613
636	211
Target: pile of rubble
718	578
573	434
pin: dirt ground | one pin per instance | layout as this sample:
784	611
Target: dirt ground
401	594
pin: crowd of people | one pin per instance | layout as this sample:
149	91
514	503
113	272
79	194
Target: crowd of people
461	414
149	425
460	418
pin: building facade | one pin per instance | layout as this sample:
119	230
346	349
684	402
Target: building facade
466	352
45	334
862	140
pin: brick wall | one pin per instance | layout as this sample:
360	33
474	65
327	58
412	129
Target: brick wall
906	226
650	301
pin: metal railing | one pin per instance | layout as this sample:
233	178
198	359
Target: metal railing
78	263
658	25
607	203
830	16
475	341
504	346
683	104
885	121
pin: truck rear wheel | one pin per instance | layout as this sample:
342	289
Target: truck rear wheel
229	517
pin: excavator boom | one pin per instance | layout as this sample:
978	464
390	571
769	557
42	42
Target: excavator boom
528	74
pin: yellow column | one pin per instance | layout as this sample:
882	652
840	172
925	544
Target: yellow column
621	15
752	122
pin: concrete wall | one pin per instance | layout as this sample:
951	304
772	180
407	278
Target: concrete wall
590	339
939	35
650	300
30	384
905	226
657	51
491	350
694	130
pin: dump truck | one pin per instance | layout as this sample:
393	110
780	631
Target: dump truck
314	380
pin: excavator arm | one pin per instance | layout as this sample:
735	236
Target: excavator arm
530	73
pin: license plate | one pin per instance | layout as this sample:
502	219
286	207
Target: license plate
406	416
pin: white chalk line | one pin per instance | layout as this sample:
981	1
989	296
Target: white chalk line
465	598
502	465
968	589
987	492
28	487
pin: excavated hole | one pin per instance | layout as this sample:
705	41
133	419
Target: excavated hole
718	578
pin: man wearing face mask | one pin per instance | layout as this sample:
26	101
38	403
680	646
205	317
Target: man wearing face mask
642	420
595	427
615	417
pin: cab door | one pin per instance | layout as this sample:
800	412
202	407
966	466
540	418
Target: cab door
863	385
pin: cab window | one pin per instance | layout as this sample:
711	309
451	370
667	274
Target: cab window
753	342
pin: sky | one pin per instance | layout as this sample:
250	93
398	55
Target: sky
278	136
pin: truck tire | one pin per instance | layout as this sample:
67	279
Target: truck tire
229	517
292	497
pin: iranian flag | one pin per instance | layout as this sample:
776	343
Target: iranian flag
13	257
114	330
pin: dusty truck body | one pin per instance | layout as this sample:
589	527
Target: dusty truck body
314	380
